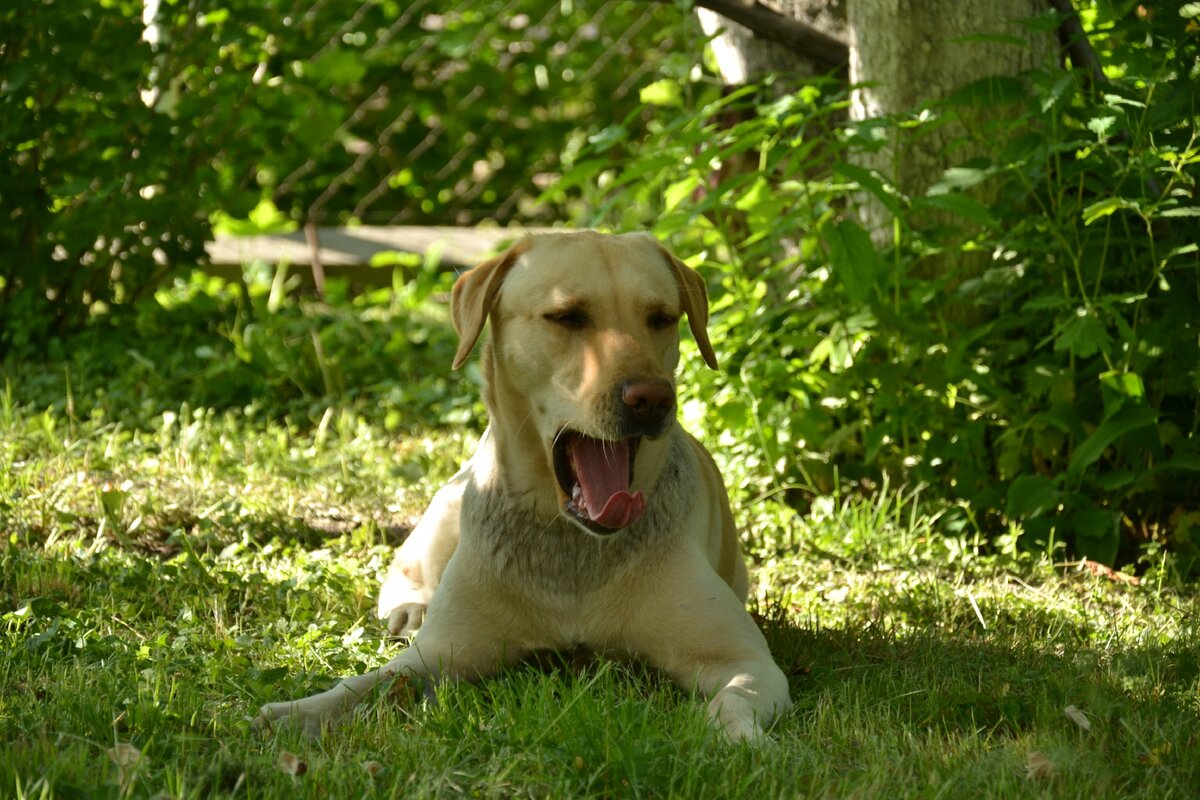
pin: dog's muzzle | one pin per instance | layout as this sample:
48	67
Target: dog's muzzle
595	474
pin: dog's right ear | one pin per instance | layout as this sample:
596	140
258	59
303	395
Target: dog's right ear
474	295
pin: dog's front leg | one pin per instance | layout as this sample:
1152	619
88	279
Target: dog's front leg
418	565
465	635
746	695
698	632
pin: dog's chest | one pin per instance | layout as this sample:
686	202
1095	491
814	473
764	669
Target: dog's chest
522	549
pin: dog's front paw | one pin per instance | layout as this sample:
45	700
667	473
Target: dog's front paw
734	712
404	619
310	716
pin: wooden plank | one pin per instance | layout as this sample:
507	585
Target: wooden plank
347	252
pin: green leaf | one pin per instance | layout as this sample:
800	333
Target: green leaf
337	67
1107	206
1115	100
665	92
960	205
213	17
1183	250
1064	417
679	191
870	182
991	91
1185	211
1084	336
959	178
1100	125
854	259
1129	417
1128	384
1097	534
1112	481
1031	496
1189	10
608	137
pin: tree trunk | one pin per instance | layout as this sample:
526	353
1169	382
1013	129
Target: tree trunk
905	54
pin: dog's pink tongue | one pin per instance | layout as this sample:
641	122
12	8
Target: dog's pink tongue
602	469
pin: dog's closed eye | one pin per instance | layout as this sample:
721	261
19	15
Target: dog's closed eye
661	320
572	317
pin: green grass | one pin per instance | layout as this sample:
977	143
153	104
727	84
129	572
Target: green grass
167	566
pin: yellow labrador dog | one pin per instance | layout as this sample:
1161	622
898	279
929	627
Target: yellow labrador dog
587	517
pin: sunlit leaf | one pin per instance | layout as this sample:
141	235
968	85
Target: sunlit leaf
664	92
1107	206
1101	125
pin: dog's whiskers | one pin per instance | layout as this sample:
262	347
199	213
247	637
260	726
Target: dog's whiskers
521	426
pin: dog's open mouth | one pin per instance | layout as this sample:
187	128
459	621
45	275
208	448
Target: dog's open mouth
595	474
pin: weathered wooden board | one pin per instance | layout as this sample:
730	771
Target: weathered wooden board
347	252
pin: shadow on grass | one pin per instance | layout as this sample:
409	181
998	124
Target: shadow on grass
1116	710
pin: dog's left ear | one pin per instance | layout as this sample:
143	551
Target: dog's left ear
694	294
474	295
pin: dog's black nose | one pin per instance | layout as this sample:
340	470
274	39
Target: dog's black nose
648	401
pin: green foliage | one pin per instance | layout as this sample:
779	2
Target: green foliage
119	152
384	355
168	568
1051	380
99	191
415	113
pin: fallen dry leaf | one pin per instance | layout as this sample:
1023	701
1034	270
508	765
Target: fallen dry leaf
1103	571
798	669
403	692
1078	717
1038	767
290	764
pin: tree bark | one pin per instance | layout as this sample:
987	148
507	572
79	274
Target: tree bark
906	54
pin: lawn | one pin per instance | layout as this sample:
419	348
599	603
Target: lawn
197	507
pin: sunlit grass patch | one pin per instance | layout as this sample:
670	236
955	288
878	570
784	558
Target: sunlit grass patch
167	568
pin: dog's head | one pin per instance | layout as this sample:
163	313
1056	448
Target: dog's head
581	364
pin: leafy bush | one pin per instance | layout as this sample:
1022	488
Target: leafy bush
391	112
1055	393
205	344
99	191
